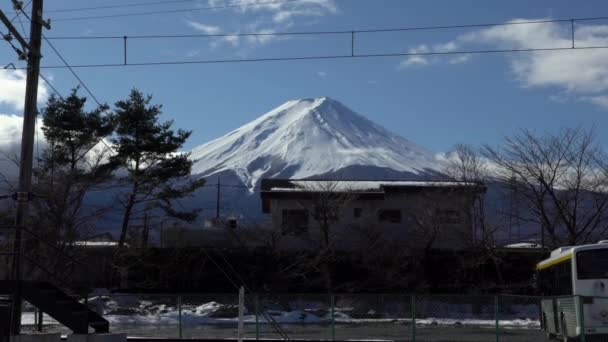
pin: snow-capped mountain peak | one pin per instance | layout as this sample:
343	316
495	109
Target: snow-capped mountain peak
305	138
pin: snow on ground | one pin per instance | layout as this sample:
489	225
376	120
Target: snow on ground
131	310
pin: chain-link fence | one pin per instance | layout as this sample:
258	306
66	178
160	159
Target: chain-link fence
341	317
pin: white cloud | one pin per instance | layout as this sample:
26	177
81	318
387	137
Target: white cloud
12	88
322	74
262	16
204	28
11	127
282	11
423	60
580	74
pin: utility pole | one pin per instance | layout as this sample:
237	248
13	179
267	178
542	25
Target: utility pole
217	200
24	192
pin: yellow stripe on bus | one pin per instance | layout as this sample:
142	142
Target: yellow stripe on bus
554	262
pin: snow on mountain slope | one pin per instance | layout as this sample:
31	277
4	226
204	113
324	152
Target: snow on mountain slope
304	138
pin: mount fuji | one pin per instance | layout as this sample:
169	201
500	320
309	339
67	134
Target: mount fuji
312	138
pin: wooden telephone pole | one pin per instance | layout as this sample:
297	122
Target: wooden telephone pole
30	113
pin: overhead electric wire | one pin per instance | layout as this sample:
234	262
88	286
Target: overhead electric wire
183	10
18	12
67	65
330	32
79	81
137	4
321	57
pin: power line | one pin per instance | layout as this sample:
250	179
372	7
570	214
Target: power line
194	9
331	32
77	9
321	57
67	65
21	9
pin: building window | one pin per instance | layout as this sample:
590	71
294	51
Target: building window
449	216
295	222
357	212
391	216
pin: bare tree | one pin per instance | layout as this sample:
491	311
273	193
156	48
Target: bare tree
467	165
561	179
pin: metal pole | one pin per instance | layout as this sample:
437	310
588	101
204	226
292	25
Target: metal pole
179	315
413	314
496	313
125	49
572	29
241	324
40	314
333	317
27	153
257	321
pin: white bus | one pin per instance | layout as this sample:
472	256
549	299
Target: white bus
575	282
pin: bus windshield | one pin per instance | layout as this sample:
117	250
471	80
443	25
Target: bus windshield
592	264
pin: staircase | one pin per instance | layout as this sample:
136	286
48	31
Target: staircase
51	300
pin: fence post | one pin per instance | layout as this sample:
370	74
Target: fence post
179	315
581	306
39	322
496	317
241	323
257	314
333	317
413	316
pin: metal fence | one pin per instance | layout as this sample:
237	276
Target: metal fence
318	316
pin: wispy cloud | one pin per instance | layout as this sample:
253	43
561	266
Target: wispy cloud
322	74
578	74
204	28
284	11
265	17
421	60
12	88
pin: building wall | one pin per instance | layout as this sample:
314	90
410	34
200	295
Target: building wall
434	218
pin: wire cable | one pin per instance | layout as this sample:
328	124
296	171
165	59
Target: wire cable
93	8
81	83
320	57
185	10
333	32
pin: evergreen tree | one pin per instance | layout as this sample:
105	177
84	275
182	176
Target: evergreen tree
157	174
72	164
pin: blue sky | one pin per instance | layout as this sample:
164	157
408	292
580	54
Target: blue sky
433	101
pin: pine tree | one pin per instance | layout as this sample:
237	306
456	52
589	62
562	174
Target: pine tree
156	173
72	164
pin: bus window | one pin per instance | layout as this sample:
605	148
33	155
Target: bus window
557	279
564	278
592	264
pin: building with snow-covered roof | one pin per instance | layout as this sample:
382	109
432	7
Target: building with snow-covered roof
350	213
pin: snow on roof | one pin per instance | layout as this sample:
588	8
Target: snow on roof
359	186
524	245
96	243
